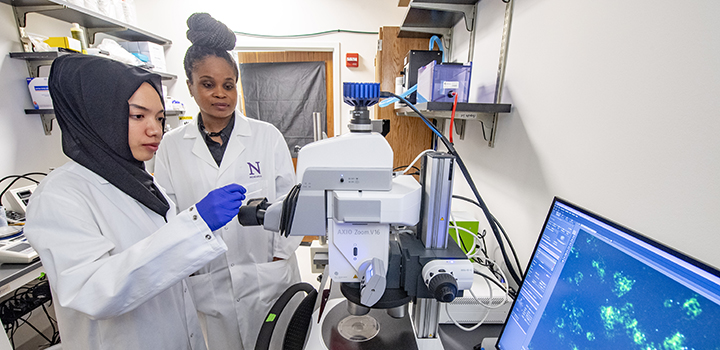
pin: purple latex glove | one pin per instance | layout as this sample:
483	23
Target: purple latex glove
221	205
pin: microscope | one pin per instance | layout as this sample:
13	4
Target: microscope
387	236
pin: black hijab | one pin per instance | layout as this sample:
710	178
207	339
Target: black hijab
90	96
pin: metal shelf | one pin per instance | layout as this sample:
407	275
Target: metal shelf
425	18
47	116
92	21
36	59
486	113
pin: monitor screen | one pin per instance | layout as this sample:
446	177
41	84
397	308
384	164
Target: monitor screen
593	284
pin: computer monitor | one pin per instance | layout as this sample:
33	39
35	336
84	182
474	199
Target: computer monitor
593	284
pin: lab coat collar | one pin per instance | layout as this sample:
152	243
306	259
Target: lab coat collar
234	148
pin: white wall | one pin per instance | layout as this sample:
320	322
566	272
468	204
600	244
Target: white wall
615	103
277	18
615	108
23	144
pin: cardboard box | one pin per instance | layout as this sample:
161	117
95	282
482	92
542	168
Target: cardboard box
65	42
40	93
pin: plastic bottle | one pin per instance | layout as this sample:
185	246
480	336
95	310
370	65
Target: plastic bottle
77	33
26	42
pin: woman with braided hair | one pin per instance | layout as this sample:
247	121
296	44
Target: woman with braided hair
235	291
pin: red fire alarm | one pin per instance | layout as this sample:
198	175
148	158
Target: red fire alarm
352	60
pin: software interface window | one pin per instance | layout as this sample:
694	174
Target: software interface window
592	284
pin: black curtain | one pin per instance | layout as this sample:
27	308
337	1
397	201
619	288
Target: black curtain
286	94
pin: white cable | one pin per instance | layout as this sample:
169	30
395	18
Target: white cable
505	298
487	313
457	236
416	159
488	307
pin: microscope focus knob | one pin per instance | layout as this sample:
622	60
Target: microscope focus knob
443	287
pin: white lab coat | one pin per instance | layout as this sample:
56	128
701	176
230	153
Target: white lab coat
117	271
234	292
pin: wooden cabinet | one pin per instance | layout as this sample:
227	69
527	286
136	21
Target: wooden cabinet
408	136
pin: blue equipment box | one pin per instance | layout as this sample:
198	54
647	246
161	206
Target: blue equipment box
436	82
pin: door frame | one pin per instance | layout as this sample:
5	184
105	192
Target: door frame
283	45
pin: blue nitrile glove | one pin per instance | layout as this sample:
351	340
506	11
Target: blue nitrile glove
221	205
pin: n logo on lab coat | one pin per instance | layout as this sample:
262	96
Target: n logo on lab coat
254	170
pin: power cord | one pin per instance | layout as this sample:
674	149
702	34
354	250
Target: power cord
18	177
494	224
16	311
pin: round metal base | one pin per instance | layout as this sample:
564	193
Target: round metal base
395	334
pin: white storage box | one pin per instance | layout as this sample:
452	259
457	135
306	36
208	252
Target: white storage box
40	93
154	52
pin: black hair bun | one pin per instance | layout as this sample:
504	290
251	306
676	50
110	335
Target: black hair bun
203	30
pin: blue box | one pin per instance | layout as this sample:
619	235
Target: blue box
437	81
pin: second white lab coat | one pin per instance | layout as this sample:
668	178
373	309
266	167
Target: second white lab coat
234	292
117	270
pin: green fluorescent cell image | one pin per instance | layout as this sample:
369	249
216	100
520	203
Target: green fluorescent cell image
623	284
675	342
692	308
599	266
624	309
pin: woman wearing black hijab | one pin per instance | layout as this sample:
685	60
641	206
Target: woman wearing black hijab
115	251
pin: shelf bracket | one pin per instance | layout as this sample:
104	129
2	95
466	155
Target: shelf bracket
92	31
47	122
460	128
467	10
22	11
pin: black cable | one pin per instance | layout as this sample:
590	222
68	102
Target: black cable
512	248
17	310
18	177
491	279
35	328
469	180
405	166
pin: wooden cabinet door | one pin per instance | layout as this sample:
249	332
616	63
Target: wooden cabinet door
408	135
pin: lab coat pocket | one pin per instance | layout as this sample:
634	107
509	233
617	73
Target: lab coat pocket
203	292
274	278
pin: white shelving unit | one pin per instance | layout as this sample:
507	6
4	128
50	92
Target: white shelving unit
425	18
93	23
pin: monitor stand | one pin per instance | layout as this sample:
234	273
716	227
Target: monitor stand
489	343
